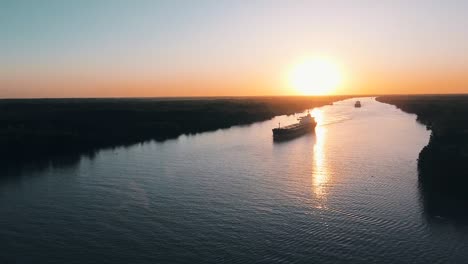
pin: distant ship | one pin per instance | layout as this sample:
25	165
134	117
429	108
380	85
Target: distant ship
357	104
306	124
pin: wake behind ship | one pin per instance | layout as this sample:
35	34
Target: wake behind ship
306	124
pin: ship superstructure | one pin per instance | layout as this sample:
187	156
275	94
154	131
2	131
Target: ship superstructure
306	124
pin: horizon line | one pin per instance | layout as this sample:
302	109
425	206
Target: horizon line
228	96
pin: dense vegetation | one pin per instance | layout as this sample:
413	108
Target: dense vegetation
443	163
38	128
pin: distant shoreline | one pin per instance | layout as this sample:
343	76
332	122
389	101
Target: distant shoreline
42	128
443	163
178	98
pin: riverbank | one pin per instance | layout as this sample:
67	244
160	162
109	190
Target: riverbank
443	163
31	129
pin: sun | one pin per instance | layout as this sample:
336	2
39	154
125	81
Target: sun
315	76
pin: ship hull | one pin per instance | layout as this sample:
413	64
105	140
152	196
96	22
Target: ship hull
288	133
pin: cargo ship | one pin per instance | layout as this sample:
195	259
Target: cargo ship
306	124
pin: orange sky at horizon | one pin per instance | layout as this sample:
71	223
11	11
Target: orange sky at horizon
376	83
231	48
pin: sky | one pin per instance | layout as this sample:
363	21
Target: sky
104	48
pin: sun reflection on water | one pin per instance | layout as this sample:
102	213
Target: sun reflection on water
320	176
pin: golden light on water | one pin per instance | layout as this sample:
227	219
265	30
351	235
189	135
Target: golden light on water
320	173
315	76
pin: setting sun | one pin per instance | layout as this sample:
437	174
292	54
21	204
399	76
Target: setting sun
316	76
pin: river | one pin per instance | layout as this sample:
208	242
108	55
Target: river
347	194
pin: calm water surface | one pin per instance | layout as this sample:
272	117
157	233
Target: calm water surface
347	194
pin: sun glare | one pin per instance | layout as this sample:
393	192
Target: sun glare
315	76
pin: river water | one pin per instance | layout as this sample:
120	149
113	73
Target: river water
347	194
